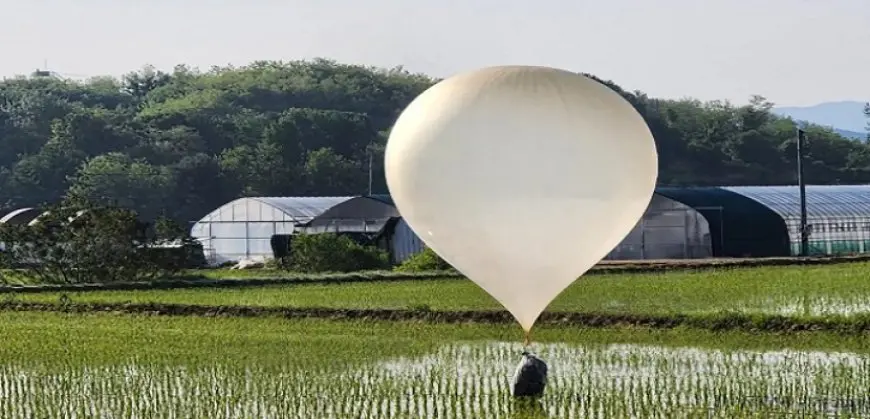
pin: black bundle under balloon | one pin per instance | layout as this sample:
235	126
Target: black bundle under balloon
530	378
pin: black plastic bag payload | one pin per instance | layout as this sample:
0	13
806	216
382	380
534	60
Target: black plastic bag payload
531	376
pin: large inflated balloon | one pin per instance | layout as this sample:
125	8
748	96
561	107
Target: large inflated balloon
521	177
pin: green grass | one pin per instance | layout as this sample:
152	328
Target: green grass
230	274
104	339
56	365
98	365
687	292
12	277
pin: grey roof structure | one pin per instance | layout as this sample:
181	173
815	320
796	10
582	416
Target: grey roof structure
20	216
360	214
385	198
305	208
823	201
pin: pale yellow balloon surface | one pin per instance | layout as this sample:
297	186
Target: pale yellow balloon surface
521	177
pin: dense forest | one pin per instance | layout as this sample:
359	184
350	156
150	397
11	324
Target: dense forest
179	144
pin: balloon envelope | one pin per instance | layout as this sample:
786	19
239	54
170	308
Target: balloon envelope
521	177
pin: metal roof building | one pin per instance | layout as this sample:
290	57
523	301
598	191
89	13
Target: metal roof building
242	229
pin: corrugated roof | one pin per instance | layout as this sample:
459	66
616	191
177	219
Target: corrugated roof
823	201
303	208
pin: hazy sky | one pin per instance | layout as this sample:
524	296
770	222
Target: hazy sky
795	52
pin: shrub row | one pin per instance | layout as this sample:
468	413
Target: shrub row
330	252
716	322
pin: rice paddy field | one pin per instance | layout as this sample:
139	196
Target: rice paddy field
824	290
111	365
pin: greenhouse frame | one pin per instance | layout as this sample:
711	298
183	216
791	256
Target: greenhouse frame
764	221
680	223
243	229
668	230
838	216
20	216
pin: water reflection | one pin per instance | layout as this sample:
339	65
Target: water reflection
459	381
807	306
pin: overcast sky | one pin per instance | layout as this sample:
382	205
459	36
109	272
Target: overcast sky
795	52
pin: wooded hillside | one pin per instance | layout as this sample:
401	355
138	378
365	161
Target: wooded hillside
181	144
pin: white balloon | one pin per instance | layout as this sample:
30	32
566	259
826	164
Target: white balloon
521	177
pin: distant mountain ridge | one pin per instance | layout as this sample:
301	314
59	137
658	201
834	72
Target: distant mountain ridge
851	134
845	117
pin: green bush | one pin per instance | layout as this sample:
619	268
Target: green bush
80	243
427	260
184	253
329	252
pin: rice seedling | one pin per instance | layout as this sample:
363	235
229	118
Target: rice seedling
743	289
54	365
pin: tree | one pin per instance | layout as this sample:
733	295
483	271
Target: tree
329	173
867	114
140	83
257	170
117	179
72	244
328	252
181	143
43	177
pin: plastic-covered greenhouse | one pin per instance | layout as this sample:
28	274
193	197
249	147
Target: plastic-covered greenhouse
680	223
761	221
838	216
242	229
668	230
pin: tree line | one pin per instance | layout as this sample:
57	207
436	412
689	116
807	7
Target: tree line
179	144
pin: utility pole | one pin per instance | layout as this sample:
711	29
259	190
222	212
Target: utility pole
371	158
801	136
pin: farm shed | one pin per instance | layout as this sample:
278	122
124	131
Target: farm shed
374	215
242	229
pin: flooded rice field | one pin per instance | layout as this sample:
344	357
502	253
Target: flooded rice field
457	381
812	306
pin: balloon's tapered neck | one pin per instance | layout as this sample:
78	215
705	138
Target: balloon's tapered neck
527	338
